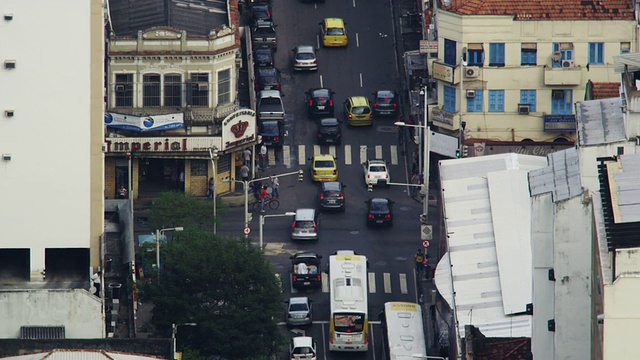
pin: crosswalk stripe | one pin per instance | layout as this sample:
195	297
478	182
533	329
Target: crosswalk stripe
387	283
271	157
403	284
286	155
316	150
347	154
363	153
372	283
301	155
378	151
394	154
332	150
325	282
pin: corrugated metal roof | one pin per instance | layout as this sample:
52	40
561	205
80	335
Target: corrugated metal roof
600	121
626	190
561	178
67	354
42	332
488	250
626	62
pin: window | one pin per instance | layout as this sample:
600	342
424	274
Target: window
596	53
529	54
474	104
625	47
198	92
173	90
124	90
450	52
496	100
151	90
561	101
224	86
475	55
496	54
449	99
528	97
199	167
224	163
566	53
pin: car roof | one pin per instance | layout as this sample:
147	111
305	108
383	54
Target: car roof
387	93
334	23
329	122
377	162
379	200
305	214
264	50
267	70
299	300
306	254
264	23
269	93
305	48
302	341
331	185
359	100
323	157
322	91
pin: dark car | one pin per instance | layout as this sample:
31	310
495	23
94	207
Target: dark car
263	34
263	57
260	12
329	131
267	78
379	212
272	132
332	195
319	102
385	103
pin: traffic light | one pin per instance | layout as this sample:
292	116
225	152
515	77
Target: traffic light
249	217
458	153
300	176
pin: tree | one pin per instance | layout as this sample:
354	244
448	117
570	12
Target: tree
172	208
224	285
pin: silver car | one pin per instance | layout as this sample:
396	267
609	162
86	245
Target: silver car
304	58
299	311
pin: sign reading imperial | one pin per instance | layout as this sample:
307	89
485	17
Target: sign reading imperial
150	145
238	128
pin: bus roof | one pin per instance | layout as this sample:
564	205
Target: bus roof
405	331
348	282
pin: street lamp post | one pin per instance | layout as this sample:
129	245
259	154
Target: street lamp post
174	333
425	158
160	232
262	217
213	153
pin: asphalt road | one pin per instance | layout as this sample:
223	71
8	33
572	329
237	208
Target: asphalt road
366	65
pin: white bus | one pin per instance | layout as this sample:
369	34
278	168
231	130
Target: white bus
402	331
348	325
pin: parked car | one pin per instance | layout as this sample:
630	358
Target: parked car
376	173
385	103
379	212
333	32
260	11
357	111
263	57
305	225
270	105
267	78
304	58
331	195
319	102
324	168
299	311
272	132
302	348
263	34
329	131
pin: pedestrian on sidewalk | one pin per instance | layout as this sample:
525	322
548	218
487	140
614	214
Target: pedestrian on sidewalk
210	189
275	186
244	172
419	257
263	156
247	157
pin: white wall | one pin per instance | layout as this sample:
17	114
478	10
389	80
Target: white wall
44	189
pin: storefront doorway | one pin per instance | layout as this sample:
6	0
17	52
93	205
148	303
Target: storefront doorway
157	175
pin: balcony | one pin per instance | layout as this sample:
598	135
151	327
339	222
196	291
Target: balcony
570	74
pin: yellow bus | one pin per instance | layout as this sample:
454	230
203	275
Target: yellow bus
348	325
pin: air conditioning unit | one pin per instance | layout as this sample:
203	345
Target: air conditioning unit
203	87
119	88
471	94
567	63
523	109
472	72
557	56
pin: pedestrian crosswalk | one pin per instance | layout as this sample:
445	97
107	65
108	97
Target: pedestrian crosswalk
298	155
386	282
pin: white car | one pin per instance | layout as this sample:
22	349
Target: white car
376	173
302	347
304	58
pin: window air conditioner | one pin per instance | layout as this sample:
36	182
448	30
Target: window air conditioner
472	72
203	87
567	63
119	88
523	109
471	94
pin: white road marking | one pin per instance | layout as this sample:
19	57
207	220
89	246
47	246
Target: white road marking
372	283
386	277
360	79
415	282
286	155
403	284
347	154
378	151
271	157
317	41
363	153
301	155
321	81
316	150
332	150
325	282
354	3
357	40
394	154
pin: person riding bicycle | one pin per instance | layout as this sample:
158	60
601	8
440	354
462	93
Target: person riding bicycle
263	197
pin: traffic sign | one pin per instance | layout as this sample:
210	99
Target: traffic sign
247	230
426	232
426	243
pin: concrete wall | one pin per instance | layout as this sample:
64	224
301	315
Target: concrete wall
79	312
52	188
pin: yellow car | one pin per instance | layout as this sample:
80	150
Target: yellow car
357	111
333	32
324	168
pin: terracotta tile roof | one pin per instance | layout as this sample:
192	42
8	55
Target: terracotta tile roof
547	9
485	348
606	90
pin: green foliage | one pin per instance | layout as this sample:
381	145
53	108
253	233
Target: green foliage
224	285
172	208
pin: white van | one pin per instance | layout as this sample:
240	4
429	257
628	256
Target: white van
302	347
305	225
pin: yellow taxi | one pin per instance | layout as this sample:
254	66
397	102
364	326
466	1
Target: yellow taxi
324	168
357	111
333	32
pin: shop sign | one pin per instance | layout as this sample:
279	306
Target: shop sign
428	47
481	149
441	116
153	145
144	123
238	128
442	72
562	123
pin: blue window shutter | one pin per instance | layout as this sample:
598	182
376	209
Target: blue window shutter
528	97
475	104
496	100
449	52
449	98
